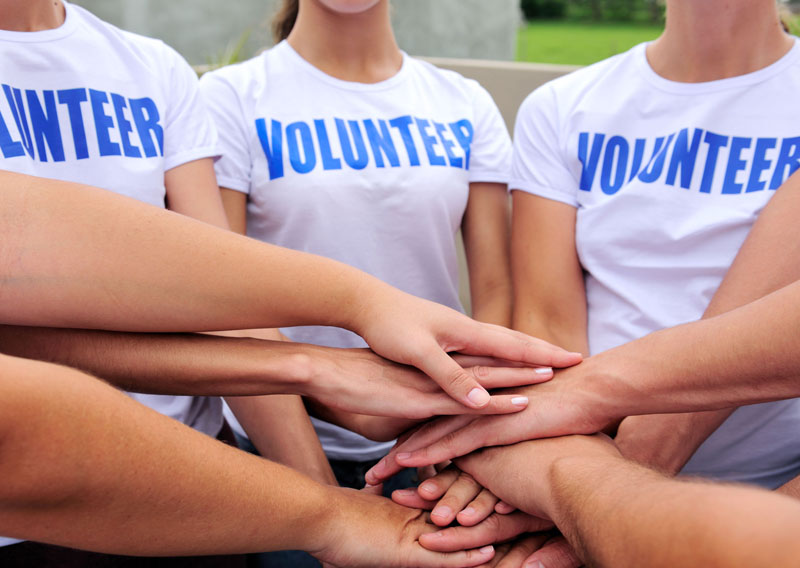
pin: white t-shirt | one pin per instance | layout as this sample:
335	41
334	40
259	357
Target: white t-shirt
373	175
667	179
89	103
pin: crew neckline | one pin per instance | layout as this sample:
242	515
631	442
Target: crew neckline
65	29
341	83
738	81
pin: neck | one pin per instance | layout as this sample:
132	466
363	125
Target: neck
31	15
352	47
707	40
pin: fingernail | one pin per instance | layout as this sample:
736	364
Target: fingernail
579	355
402	456
469	511
534	564
478	397
519	401
486	549
543	370
442	512
427	487
368	485
403	492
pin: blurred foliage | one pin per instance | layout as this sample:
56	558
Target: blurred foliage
233	53
596	10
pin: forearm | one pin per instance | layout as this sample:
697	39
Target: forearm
180	364
741	357
766	262
619	514
56	270
108	487
279	428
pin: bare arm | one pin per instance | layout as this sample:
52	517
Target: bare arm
83	257
485	232
767	261
617	513
549	293
119	494
278	426
624	381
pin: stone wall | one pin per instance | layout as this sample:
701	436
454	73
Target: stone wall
202	29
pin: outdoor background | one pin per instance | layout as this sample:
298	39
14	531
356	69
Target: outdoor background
573	32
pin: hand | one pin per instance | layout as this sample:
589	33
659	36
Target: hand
521	474
556	409
555	553
421	333
357	380
513	554
495	528
450	495
367	530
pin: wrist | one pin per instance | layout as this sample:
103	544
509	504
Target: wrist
283	367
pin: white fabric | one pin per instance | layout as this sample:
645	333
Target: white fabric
89	103
667	179
388	201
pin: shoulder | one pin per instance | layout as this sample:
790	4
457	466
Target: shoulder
565	93
267	67
448	82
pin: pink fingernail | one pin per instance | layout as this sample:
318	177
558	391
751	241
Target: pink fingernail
402	456
469	511
443	512
405	492
478	397
519	401
427	487
543	370
486	549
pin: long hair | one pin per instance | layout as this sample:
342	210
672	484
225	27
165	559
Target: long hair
284	20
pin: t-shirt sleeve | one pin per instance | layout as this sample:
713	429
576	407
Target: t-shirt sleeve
235	162
189	132
538	165
490	152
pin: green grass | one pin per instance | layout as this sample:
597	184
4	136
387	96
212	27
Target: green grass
579	43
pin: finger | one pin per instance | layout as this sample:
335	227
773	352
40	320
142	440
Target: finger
522	548
433	488
482	432
458	496
556	553
412	499
477	510
466	558
504	508
373	489
424	435
449	446
503	377
496	528
515	346
440	404
460	384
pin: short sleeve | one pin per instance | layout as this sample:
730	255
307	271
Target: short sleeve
538	165
235	163
189	132
490	152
